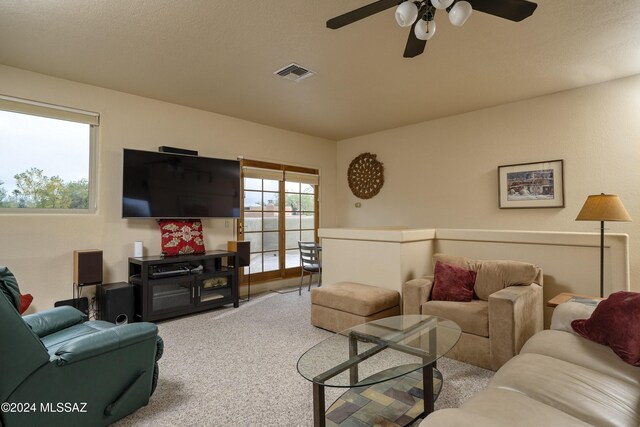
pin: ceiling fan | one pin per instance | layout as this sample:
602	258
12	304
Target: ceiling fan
419	15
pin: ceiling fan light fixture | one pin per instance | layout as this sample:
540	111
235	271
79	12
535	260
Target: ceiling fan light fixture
424	30
441	4
406	14
408	11
460	12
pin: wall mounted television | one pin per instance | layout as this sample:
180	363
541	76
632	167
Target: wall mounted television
167	185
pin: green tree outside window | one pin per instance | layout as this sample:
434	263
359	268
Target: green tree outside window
36	190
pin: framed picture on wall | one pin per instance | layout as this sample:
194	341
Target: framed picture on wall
531	185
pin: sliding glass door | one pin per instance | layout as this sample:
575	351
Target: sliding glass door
262	223
280	209
300	215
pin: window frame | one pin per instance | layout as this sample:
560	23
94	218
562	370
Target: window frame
51	111
282	272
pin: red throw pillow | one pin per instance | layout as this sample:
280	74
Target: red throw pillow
615	323
180	237
25	302
452	283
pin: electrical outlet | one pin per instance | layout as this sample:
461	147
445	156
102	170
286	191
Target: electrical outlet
227	223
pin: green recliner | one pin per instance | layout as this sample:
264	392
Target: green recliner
58	370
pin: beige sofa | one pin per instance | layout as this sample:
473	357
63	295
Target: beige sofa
559	379
495	326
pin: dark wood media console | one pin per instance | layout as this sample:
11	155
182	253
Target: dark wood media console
173	286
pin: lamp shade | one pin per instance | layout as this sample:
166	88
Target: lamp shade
460	12
406	13
424	30
603	207
441	4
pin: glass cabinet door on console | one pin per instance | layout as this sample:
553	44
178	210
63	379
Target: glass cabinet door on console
213	288
170	294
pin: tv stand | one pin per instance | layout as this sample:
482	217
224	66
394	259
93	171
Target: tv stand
167	287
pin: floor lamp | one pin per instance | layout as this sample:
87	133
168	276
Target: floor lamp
603	207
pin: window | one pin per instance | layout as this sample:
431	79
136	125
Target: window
47	156
300	214
280	209
262	223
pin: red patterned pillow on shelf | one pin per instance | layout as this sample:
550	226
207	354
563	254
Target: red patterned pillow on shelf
181	236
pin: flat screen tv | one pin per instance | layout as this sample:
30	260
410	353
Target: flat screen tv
166	185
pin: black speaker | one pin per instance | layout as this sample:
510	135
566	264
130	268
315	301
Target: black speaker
176	150
115	302
87	267
243	248
81	304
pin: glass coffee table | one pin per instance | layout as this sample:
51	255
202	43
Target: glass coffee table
388	365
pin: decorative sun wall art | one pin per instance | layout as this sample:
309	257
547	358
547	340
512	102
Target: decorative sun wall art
365	175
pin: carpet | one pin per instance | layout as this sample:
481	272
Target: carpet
237	367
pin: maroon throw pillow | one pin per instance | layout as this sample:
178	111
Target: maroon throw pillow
615	323
452	283
25	302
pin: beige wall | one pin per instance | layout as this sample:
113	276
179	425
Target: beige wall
443	173
440	173
38	248
388	257
385	258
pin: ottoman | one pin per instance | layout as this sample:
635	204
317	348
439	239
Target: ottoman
346	304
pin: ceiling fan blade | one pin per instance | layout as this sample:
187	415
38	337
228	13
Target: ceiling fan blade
361	13
513	10
414	46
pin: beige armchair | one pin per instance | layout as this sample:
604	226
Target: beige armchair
506	310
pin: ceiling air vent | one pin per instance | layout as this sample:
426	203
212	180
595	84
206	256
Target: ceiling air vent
294	72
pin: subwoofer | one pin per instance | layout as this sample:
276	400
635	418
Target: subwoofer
243	248
115	302
81	304
87	267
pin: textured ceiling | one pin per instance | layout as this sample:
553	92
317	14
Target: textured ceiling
219	55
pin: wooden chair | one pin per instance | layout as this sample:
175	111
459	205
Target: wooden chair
309	262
